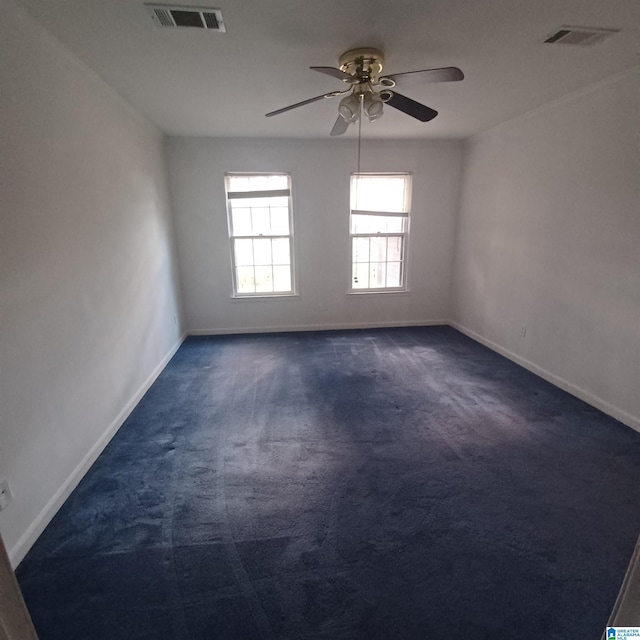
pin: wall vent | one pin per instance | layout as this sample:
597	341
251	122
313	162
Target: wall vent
581	36
174	16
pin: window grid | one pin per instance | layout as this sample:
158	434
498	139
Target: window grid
261	234
391	268
272	268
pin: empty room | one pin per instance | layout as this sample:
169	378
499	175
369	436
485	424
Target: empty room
319	320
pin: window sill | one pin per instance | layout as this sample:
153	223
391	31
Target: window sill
373	292
264	297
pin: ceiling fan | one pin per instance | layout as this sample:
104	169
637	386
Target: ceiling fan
369	90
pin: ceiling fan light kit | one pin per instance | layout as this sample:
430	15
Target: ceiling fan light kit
368	90
349	108
372	106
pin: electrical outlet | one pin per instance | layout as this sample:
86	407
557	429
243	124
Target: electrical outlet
523	331
5	494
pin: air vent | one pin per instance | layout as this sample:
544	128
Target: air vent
580	36
179	16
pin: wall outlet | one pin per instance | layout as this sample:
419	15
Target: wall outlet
5	494
523	331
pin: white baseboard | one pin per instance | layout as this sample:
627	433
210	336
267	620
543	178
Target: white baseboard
22	546
26	540
604	406
315	327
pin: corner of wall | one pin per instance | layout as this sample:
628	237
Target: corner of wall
26	541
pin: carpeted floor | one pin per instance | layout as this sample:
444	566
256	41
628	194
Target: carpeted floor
403	483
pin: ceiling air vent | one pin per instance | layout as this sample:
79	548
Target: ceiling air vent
581	36
180	16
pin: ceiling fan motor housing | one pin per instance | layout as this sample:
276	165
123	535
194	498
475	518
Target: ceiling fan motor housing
364	64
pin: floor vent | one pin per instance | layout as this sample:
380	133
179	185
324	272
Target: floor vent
580	36
180	16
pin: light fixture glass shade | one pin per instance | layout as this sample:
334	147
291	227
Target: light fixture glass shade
349	108
373	106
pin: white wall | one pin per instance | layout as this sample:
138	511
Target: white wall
549	237
87	278
320	170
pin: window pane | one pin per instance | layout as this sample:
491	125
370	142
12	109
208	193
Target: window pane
264	279
241	219
395	224
262	251
394	249
377	273
257	182
360	275
360	224
377	224
260	221
279	221
243	252
251	202
378	193
364	224
280	248
245	280
378	249
238	183
394	274
361	249
278	182
281	279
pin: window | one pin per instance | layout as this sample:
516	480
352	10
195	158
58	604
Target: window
379	230
261	234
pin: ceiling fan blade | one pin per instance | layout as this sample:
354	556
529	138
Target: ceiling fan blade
301	104
340	127
336	73
446	74
411	107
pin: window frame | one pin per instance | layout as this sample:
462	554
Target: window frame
235	294
405	235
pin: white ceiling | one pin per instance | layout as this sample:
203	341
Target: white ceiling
203	83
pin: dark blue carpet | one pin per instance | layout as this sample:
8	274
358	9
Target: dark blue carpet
404	483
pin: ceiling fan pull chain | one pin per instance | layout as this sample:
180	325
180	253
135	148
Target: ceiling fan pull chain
359	137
